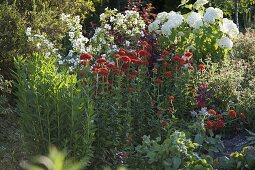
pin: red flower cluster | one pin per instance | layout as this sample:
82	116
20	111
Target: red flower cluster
168	74
212	112
201	67
146	45
143	53
218	123
101	60
171	98
85	58
158	81
103	71
232	114
215	124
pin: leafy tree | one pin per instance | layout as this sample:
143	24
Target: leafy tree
232	8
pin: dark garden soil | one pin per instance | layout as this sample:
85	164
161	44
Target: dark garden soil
235	143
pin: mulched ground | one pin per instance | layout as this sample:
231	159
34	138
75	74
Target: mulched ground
235	143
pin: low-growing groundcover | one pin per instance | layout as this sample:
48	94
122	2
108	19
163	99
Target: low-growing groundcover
144	92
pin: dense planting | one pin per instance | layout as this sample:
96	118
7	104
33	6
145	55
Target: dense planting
144	91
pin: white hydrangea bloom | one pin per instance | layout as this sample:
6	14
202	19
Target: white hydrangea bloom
225	42
130	13
77	19
162	17
229	28
165	29
171	13
195	20
200	3
175	20
212	14
154	26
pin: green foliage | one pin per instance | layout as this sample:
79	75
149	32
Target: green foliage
245	50
12	37
54	107
5	89
73	7
244	47
226	79
175	152
228	6
56	160
243	160
42	16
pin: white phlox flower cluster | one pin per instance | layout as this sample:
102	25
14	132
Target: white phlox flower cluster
229	28
128	25
195	20
225	42
212	14
100	40
42	43
76	38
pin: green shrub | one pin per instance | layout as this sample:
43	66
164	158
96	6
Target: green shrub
225	79
42	16
175	152
54	107
245	50
5	89
243	160
12	37
244	47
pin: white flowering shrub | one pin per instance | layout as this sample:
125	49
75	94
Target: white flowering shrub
202	31
42	44
117	30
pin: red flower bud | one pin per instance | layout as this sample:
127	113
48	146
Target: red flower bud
232	114
86	56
